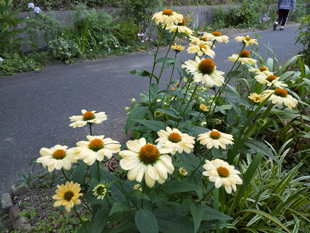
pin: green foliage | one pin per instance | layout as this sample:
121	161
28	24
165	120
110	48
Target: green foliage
300	11
304	38
9	22
64	49
126	32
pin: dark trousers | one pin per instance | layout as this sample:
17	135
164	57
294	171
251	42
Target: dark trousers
282	16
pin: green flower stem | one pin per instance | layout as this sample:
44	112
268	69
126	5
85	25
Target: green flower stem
162	67
267	111
205	196
108	201
78	215
201	162
213	44
187	104
90	130
86	205
64	173
98	171
124	195
143	188
216	206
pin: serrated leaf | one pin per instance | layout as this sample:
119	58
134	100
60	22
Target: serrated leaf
186	185
78	174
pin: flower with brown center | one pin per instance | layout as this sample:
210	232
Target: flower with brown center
204	71
260	70
146	160
57	157
281	96
243	57
256	97
201	40
167	17
201	49
246	40
96	148
221	173
216	36
215	138
67	195
180	27
270	80
173	138
88	117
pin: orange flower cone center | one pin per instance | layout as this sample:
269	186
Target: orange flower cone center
215	135
247	38
270	78
88	116
68	195
206	66
262	68
201	46
174	137
216	33
183	22
203	38
59	154
167	12
96	144
223	172
244	53
149	154
280	92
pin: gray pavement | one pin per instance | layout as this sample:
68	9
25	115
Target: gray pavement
35	107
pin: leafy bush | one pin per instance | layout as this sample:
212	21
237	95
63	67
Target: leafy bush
126	32
304	38
64	49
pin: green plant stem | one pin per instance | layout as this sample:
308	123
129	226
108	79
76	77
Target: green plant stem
143	188
187	105
98	171
201	162
78	215
216	207
162	67
90	130
205	196
64	173
86	204
108	202
124	195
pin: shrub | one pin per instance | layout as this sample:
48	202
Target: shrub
126	32
304	38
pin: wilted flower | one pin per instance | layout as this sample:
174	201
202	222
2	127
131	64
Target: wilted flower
177	47
216	139
146	160
182	171
257	98
204	107
67	195
221	173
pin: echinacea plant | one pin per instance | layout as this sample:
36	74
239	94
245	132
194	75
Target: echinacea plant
185	168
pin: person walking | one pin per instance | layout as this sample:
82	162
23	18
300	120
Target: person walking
284	7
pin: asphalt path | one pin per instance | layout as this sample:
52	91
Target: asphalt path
36	106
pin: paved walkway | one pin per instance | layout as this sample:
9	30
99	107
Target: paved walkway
36	106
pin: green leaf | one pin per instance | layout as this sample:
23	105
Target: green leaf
117	207
22	41
144	73
173	93
86	227
197	213
270	217
146	221
260	147
170	111
100	219
5	8
78	174
164	59
212	214
137	113
153	125
153	91
193	129
169	221
139	194
186	185
233	74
